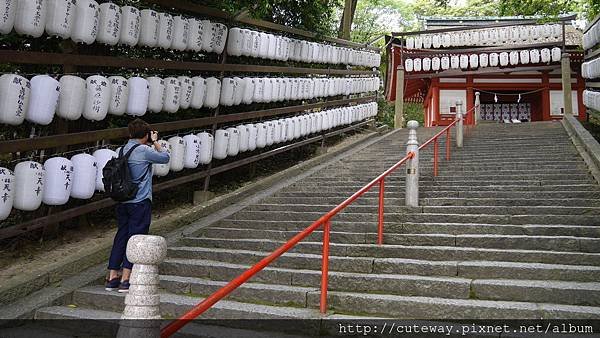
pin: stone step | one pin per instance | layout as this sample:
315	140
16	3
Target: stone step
106	324
293	267
524	242
306	281
393	209
437	253
440	308
421	228
498	218
589	192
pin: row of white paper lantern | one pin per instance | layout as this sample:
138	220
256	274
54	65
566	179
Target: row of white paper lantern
489	36
246	42
93	98
482	60
60	179
85	21
590	69
592	36
591	99
235	90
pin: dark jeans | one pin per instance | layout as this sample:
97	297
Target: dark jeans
132	219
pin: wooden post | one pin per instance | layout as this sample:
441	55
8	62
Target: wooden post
399	104
566	84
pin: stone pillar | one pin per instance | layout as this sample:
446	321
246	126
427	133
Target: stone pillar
477	108
459	124
141	317
566	84
399	104
412	166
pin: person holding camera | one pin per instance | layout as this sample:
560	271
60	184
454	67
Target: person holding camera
134	216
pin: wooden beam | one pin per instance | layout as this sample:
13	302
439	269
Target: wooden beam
490	70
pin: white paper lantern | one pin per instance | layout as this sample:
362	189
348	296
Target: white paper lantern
409	65
176	162
8	11
524	57
227	91
410	43
43	99
161	170
165	30
30	17
546	56
191	157
181	27
57	181
213	92
208	33
436	41
206	147
426	64
172	95
261	135
455	62
248	90
194	41
156	96
264	47
59	17
268	92
71	98
270	130
235	42
243	134
187	90
464	61
28	186
130	26
233	145
289	135
14	98
417	64
109	24
473	61
97	98
252	135
255	50
198	92
219	38
7	192
221	143
139	94
494	59
102	156
84	176
534	56
556	54
238	93
148	32
445	62
483	60
85	23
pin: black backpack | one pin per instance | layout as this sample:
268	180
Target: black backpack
117	177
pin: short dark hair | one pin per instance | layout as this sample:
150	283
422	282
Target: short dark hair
138	128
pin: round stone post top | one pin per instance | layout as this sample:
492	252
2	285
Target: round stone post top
146	249
459	102
412	124
477	93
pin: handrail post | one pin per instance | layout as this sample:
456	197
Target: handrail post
435	157
477	108
380	220
325	266
141	317
459	124
412	166
448	145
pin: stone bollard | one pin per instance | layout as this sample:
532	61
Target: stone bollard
459	124
141	317
412	166
477	116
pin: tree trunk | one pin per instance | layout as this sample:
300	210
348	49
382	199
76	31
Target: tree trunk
347	18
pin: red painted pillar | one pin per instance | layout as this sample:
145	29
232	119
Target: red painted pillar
470	101
580	89
436	102
546	97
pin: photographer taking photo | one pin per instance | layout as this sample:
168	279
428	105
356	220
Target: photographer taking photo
134	216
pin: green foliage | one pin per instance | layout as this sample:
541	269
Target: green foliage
412	111
545	8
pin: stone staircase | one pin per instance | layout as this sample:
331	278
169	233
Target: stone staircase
509	229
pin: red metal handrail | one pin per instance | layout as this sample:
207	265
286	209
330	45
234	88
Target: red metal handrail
324	221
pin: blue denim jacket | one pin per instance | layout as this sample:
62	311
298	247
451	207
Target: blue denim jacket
141	159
